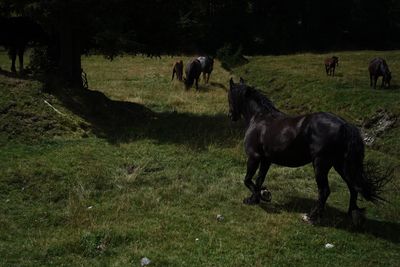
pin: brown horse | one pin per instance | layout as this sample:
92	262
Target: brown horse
178	69
330	65
378	67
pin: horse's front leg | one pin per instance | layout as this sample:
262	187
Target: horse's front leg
197	83
262	172
252	166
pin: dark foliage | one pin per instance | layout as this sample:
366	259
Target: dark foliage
156	27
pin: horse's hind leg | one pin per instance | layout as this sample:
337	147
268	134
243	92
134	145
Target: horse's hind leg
13	55
21	51
321	169
339	168
262	172
354	211
252	166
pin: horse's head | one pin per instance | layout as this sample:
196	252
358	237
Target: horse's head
387	77
336	60
235	99
187	83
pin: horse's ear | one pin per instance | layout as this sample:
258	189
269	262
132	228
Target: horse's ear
231	83
241	80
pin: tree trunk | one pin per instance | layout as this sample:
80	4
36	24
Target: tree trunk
70	52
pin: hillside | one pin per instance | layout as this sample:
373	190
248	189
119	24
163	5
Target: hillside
138	167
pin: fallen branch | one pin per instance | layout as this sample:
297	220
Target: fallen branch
56	110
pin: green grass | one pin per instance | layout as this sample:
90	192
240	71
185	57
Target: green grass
108	182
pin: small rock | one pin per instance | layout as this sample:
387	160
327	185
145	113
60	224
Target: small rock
328	245
101	247
220	218
145	261
305	217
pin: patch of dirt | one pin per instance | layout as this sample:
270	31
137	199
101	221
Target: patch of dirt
374	127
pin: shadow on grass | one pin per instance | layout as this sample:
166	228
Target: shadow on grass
123	122
338	219
21	76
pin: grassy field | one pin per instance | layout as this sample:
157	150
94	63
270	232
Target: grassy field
138	167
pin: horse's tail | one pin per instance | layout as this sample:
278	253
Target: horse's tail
368	179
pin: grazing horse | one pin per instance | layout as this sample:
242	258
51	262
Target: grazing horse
331	64
193	71
207	65
178	69
16	33
378	67
323	139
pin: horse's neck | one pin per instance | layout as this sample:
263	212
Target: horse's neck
253	108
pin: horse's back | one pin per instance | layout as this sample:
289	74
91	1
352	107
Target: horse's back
207	63
378	66
296	140
193	68
331	61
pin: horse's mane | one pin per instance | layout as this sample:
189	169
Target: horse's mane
262	100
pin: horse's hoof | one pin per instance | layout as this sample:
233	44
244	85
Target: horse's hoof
306	218
266	195
251	201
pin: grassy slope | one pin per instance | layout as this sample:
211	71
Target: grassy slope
154	187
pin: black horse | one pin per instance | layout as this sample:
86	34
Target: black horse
193	71
15	35
378	67
323	139
207	66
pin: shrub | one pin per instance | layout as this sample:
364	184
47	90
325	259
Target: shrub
230	57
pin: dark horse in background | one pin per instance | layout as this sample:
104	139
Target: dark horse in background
378	67
193	71
16	33
330	65
207	66
323	139
178	70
